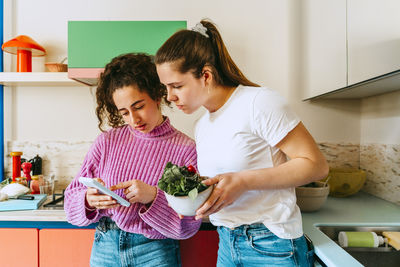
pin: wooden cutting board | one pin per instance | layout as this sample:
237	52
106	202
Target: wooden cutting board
21	204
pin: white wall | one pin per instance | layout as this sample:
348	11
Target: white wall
380	119
264	38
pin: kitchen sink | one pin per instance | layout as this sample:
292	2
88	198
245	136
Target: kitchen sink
380	256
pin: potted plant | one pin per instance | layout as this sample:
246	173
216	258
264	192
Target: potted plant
183	188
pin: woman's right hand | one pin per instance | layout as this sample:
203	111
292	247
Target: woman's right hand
228	187
96	200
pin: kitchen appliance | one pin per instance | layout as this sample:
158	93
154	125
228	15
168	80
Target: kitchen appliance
57	201
36	165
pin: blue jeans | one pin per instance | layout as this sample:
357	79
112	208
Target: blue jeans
115	247
255	245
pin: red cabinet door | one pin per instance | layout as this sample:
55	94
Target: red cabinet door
65	247
200	250
19	247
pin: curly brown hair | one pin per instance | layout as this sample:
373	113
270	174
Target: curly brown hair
133	69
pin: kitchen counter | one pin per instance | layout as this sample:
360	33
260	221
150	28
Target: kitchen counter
361	209
53	217
41	214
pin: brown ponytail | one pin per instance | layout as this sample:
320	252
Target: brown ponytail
191	51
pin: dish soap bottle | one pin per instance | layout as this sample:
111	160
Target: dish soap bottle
360	239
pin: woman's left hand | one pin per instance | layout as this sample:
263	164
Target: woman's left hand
137	191
228	187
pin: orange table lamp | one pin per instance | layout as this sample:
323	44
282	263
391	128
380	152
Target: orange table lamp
25	48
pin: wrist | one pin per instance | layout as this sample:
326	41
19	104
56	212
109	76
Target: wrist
88	206
241	176
154	194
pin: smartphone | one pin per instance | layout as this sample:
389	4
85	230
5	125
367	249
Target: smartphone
90	182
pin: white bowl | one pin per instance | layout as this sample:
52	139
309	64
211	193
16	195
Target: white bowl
186	206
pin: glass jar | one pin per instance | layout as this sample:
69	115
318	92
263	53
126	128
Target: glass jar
35	184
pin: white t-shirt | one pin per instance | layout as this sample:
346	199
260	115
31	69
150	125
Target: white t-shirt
242	135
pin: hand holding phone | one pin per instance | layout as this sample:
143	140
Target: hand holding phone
90	182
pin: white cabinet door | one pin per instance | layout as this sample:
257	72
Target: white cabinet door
324	49
373	38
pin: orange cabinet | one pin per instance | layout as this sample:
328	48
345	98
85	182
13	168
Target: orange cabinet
19	247
65	247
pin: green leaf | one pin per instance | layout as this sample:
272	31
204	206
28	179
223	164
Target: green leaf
193	194
178	181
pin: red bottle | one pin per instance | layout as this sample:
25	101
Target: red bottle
16	162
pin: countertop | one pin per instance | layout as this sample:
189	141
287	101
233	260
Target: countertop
42	214
361	209
55	216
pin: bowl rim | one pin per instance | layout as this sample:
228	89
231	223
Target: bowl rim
314	188
186	197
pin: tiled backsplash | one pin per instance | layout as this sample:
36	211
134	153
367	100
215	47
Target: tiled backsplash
341	155
381	162
62	159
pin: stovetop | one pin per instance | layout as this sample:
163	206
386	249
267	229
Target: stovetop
57	201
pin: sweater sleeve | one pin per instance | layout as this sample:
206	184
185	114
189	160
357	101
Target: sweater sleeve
75	193
166	221
163	218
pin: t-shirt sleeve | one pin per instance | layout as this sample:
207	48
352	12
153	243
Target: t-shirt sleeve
272	118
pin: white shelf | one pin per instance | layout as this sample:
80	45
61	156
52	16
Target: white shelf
37	79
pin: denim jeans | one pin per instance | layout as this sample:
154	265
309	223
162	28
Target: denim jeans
115	247
255	245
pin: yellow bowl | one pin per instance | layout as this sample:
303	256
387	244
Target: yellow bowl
345	182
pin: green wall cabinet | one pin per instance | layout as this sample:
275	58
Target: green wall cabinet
92	44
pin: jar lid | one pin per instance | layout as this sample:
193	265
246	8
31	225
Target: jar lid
16	153
35	177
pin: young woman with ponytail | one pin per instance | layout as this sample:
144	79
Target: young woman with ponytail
243	143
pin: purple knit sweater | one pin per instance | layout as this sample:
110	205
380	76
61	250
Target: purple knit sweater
123	154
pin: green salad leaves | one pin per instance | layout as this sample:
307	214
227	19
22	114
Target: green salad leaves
179	181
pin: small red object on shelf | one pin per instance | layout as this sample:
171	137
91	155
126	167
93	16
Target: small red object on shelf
26	169
16	165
